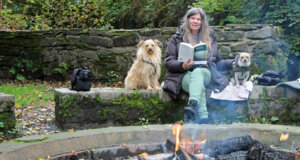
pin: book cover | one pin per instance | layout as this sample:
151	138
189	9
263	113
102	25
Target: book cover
196	53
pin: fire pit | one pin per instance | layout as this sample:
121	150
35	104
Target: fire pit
237	148
158	142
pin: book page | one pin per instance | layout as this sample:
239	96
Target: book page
200	54
186	51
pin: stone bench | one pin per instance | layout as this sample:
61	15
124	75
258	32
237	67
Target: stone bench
7	116
102	107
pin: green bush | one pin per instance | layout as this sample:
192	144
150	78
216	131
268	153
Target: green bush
221	12
52	14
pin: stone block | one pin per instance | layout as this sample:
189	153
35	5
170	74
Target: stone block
7	103
266	32
230	36
102	41
239	47
267	46
102	107
149	32
126	40
7	116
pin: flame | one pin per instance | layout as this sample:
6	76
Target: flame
143	154
284	137
187	144
175	131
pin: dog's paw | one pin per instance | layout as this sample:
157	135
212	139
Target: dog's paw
149	88
158	88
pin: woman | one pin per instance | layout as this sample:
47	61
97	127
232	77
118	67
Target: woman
193	78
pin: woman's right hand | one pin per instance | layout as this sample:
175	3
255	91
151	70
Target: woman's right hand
188	64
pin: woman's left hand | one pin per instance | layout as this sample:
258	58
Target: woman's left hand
188	64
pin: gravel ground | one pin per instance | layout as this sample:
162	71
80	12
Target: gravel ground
36	120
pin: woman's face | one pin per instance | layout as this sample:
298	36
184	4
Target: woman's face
195	22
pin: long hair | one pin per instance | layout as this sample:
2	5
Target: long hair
204	30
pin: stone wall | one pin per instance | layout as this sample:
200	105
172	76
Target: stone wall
53	54
102	107
7	115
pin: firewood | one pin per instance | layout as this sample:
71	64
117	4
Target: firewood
226	146
261	151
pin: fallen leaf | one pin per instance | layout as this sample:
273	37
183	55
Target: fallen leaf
70	130
43	109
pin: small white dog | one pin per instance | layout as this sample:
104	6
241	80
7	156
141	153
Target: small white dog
240	72
145	71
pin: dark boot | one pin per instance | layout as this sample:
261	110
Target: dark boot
190	112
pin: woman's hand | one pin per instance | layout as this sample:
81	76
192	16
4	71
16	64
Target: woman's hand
188	64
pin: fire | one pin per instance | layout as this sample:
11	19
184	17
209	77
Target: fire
142	155
175	131
187	144
284	137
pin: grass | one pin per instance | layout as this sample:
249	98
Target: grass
29	94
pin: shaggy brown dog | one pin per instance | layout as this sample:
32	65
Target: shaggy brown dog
145	71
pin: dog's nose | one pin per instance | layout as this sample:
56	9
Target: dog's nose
245	60
150	49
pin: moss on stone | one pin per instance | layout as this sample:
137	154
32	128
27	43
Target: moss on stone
127	109
254	69
7	118
65	106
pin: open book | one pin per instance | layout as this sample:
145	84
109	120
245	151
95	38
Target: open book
196	53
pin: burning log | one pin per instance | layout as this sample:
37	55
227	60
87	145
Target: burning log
226	146
261	151
180	153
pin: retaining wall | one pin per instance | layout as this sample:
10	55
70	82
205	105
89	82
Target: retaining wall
53	54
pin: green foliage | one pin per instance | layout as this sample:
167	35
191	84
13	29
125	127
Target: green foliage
144	122
52	14
285	14
18	76
221	12
7	126
62	69
273	119
40	14
23	68
112	77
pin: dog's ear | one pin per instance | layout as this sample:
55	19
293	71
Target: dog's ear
140	43
157	42
237	57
